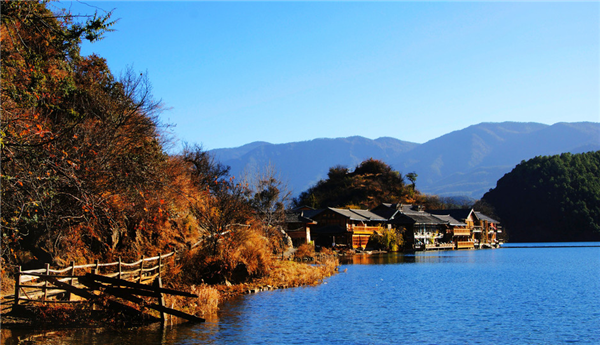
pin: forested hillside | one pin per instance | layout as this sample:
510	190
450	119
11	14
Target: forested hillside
467	162
550	198
371	183
84	173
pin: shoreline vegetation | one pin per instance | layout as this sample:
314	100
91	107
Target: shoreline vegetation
293	271
87	177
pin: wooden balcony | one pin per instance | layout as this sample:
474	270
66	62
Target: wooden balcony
438	246
465	244
461	232
364	230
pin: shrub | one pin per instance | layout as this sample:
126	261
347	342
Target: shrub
387	239
306	250
241	254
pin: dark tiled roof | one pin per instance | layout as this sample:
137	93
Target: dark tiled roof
482	216
402	219
424	218
302	208
299	217
292	217
311	213
369	215
360	215
460	214
385	211
409	209
449	220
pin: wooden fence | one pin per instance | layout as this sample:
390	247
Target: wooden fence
37	285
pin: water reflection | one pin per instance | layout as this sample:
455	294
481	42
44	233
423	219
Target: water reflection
144	335
401	258
494	296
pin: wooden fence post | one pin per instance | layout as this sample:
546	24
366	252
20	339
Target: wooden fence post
161	297
141	270
46	283
18	287
159	264
161	301
120	269
69	295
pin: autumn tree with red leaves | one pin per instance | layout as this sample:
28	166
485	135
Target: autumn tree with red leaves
84	173
79	146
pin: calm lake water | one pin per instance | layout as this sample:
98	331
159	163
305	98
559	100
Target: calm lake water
519	294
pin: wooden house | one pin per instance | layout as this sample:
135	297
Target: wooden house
433	230
345	227
488	230
457	234
299	224
460	225
421	230
483	229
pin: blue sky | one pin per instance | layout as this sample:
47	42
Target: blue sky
236	72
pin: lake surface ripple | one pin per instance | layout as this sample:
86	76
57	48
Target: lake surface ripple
519	294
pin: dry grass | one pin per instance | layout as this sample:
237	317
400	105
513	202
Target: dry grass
207	302
7	285
305	251
291	273
326	251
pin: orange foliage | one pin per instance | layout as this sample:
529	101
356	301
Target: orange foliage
84	172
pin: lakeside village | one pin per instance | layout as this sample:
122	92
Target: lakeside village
351	229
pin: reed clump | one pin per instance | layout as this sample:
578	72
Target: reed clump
204	305
305	250
292	274
239	256
207	302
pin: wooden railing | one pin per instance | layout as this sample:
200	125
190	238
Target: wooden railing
462	232
34	285
464	244
364	230
439	246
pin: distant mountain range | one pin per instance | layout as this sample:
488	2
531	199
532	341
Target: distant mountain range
466	162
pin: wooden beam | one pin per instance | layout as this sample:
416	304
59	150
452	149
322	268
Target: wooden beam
121	282
90	296
101	287
156	307
69	288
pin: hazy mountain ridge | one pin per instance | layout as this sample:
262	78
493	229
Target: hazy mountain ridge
465	162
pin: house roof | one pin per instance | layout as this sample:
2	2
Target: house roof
424	218
449	220
386	211
302	216
482	216
410	209
408	214
359	215
292	217
460	214
311	213
368	215
301	208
